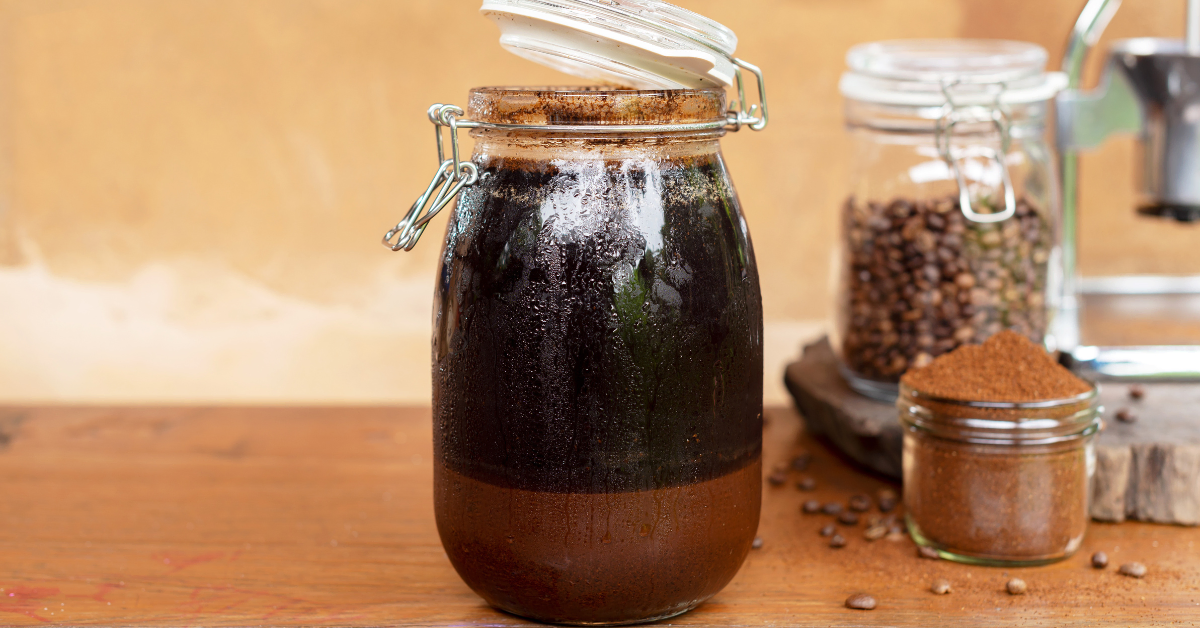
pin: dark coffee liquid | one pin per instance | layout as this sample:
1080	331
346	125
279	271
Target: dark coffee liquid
598	364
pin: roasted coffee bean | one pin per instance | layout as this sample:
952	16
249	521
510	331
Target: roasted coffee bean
940	587
828	530
777	478
1099	560
801	461
1133	570
811	506
927	552
886	499
807	484
848	518
918	262
837	541
876	532
1136	392
860	503
832	508
860	602
757	543
1125	415
1016	586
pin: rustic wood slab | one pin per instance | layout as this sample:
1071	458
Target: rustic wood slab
323	517
1147	470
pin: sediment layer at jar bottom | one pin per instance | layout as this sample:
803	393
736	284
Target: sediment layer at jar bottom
598	557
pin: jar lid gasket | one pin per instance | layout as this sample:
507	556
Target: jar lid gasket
644	44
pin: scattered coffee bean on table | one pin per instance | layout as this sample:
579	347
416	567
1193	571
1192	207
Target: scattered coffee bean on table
807	484
860	503
896	533
832	508
828	530
757	543
887	500
1136	392
940	587
1125	415
1133	570
777	478
801	461
848	518
839	541
920	280
811	507
1099	560
1016	586
927	552
876	532
860	602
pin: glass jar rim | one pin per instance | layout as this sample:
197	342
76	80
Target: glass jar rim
1023	424
1092	393
596	106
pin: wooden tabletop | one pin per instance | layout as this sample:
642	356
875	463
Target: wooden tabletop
323	516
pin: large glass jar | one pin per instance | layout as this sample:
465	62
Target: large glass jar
950	230
998	483
597	358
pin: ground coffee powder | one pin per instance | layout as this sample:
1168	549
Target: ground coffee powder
1013	489
1006	367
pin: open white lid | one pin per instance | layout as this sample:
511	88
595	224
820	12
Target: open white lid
643	44
920	72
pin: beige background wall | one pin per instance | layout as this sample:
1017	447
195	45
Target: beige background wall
192	191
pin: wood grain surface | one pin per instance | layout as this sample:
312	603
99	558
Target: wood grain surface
322	516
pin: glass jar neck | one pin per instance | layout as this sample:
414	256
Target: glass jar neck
1054	422
1025	121
491	143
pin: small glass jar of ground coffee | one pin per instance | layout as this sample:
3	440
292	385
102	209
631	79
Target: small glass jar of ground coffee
993	481
950	229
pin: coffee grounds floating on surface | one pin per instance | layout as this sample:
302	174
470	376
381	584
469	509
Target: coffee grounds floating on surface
1007	367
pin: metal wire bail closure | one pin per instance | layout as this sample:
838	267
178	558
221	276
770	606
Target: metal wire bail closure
451	177
454	174
944	134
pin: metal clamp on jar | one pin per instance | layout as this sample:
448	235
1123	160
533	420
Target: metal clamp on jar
950	227
597	346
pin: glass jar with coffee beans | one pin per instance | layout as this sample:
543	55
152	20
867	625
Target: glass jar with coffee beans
951	229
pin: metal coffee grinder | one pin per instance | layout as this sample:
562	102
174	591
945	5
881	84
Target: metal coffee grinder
1150	87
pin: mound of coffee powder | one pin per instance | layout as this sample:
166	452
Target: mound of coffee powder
1007	367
